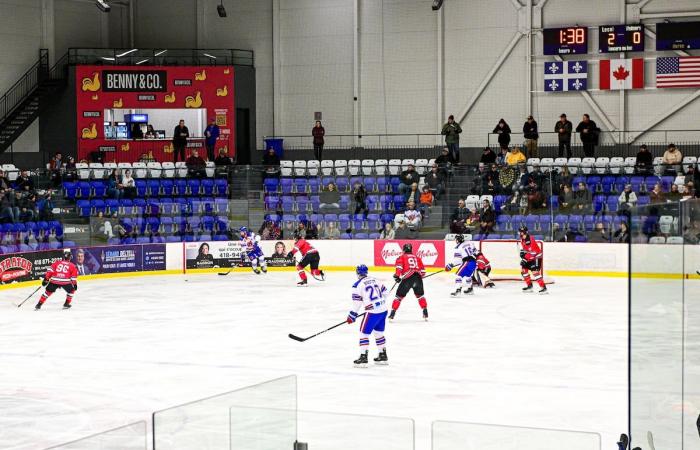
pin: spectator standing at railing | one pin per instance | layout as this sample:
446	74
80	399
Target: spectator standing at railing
211	134
515	157
318	132
645	161
451	130
407	178
180	135
672	160
563	128
531	135
503	131
196	165
488	156
435	180
589	133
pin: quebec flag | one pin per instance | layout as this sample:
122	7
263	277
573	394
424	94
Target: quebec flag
565	76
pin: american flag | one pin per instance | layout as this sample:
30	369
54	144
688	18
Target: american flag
678	71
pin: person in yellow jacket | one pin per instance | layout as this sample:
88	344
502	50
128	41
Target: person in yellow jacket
515	157
672	160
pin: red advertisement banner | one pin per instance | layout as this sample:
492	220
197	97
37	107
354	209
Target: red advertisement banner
431	252
99	88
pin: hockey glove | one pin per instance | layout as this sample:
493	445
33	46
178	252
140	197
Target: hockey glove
351	317
397	278
290	255
44	282
522	254
448	267
524	264
75	287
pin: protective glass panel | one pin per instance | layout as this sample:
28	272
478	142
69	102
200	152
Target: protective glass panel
128	437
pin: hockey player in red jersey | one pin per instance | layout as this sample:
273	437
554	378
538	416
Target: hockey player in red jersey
62	274
409	274
483	270
309	257
530	261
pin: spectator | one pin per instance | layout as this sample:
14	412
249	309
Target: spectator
307	230
269	231
45	208
488	156
689	191
359	195
583	199
388	232
558	235
589	133
129	185
472	221
627	199
180	135
136	131
211	135
413	195
501	157
531	135
55	166
150	132
503	131
566	199
563	128
487	218
271	162
407	178
331	231
490	184
426	200
535	197
412	216
329	198
645	161
25	182
657	195
4	182
26	205
196	165
222	162
121	232
672	160
402	231
459	217
115	189
675	195
435	180
71	172
318	133
451	131
599	234
515	157
622	234
564	178
523	180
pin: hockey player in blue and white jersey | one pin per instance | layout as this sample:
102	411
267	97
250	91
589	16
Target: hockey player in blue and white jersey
465	260
252	250
368	295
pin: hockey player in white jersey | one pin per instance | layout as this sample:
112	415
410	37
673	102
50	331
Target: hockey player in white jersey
465	261
368	294
252	250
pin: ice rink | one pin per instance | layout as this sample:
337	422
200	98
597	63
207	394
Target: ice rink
131	346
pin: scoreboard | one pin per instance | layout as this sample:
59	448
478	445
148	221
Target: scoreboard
620	38
565	41
678	36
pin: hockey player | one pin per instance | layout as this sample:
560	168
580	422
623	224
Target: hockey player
465	261
409	274
62	274
483	270
252	250
530	261
309	257
368	294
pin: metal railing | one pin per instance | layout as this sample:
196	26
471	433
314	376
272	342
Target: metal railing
365	140
606	138
161	57
26	84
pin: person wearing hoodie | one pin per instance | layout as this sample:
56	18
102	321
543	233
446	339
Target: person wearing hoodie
531	135
515	157
503	131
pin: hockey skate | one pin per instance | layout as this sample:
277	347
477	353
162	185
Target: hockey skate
381	359
302	283
469	291
362	360
37	307
456	292
543	291
257	271
490	284
67	305
264	269
528	289
322	275
425	314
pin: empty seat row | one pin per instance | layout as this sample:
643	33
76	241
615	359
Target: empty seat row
33	247
603	164
172	225
352	167
304	203
150	188
161	206
343	184
54	227
139	169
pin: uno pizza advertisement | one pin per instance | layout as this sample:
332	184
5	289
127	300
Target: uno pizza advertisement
431	252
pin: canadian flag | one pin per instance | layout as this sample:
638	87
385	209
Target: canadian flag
622	74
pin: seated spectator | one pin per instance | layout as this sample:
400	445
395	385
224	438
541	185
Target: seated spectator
55	166
488	156
523	180
329	198
359	196
672	160
45	208
445	161
515	157
27	206
129	185
115	189
627	200
25	182
307	230
473	221
412	217
566	199
331	231
675	195
599	234
70	171
459	217
558	235
196	165
435	180
426	200
691	234
269	231
402	231
535	197
644	164
222	159
516	203
622	234
413	195
272	163
501	157
689	190
657	195
487	218
490	185
120	231
583	199
388	232
4	181
407	178
563	178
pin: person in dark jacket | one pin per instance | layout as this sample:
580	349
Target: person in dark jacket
25	182
318	132
451	130
487	218
359	195
459	217
222	159
488	156
563	128
588	131
531	135
407	178
196	165
435	180
211	134
645	161
270	158
503	132
180	135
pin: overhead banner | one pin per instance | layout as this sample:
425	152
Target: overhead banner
228	254
100	88
431	252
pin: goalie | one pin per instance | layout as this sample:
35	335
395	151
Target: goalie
530	261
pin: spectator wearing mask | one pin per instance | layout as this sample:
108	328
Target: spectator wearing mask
451	130
196	165
563	128
180	135
672	160
388	232
645	161
459	217
488	156
515	157
503	131
318	132
211	134
588	132
330	199
435	180
407	178
487	218
531	135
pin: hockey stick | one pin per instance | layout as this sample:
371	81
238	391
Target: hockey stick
434	273
300	339
30	295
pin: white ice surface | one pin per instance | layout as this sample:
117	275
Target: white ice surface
133	346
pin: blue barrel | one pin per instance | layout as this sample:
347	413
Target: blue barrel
277	144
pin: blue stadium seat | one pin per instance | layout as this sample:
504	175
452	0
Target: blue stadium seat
208	187
193	186
330	218
286	184
666	182
315	203
575	222
503	222
358	222
344	221
387	218
344	201
394	182
271	184
143	240
300	185
313	185
302	203
598	203
370	184
589	222
345	236
399	202
612	203
71	189
221	187
382	183
153	187
272	202
83	207
326	180
342	184
84	189
112	206
181	187
99	189
287	203
141	188
643	200
361	236
374	236
650	181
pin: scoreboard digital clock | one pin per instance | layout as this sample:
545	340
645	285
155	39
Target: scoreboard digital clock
620	38
678	36
565	41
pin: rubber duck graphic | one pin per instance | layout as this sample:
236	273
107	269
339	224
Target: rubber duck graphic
92	84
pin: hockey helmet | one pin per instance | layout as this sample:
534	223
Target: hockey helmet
407	248
523	229
67	254
243	230
361	271
459	238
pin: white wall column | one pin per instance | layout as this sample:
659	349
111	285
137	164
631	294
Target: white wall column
48	29
276	70
356	107
440	61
